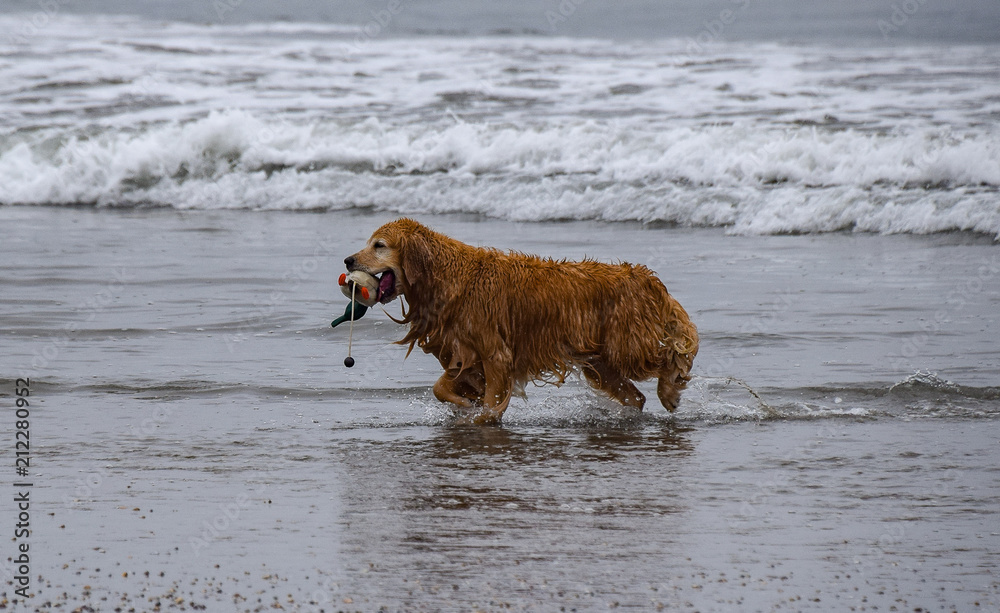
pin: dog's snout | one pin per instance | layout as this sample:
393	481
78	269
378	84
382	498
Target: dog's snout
349	262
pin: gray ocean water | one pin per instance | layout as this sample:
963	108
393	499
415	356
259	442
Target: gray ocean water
816	183
920	21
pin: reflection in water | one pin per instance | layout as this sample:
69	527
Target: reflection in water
468	443
488	509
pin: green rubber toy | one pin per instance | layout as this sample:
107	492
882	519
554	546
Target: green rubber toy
359	312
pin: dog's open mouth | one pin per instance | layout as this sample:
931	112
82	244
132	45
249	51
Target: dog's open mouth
386	287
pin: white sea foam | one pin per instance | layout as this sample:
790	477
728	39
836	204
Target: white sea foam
751	179
758	138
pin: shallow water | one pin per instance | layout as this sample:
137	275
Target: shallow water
193	420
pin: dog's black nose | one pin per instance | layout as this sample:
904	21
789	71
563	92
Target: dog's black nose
349	261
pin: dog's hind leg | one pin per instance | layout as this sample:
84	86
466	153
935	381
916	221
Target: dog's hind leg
471	384
464	389
463	382
444	390
606	379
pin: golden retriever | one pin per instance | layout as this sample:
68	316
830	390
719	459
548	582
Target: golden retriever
498	320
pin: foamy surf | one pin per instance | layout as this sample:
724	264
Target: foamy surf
758	138
750	179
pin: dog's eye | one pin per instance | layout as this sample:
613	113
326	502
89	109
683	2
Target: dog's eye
379	245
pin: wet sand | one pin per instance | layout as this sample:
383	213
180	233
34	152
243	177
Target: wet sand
197	442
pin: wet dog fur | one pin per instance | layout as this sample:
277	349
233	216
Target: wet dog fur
497	320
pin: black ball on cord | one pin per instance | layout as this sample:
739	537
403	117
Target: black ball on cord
349	361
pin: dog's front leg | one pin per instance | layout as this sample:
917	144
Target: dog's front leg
499	384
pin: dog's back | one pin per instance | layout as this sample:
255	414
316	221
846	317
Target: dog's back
557	315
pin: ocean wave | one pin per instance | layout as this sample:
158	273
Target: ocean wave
758	138
748	178
921	395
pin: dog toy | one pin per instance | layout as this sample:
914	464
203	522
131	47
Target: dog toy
361	288
367	287
359	311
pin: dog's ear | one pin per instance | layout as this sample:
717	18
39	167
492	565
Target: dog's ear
416	259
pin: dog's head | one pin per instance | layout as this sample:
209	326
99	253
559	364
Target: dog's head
397	254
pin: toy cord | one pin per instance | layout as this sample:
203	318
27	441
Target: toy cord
350	334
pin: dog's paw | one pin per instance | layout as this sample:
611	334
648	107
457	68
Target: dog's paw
477	416
487	418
